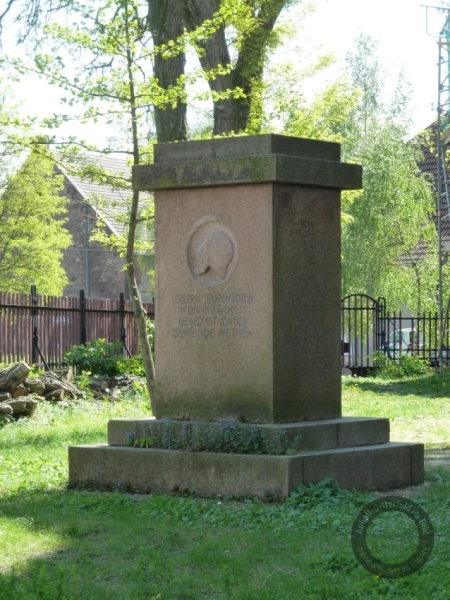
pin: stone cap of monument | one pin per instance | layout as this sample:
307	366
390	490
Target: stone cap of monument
267	158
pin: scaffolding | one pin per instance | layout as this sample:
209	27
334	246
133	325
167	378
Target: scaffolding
442	145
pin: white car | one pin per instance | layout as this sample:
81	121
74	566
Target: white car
410	341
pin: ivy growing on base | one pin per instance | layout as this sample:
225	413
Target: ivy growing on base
228	437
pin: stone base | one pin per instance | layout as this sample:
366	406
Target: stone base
141	470
305	436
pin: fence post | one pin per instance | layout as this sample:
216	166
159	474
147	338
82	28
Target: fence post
36	351
83	333
34	326
380	324
123	333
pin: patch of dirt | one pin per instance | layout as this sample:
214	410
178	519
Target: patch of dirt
408	492
434	458
439	457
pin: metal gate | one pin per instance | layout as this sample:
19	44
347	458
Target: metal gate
362	331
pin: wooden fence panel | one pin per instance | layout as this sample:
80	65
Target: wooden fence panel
59	325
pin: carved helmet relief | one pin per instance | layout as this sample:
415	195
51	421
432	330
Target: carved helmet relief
211	252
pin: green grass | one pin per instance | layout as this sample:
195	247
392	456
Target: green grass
418	408
58	544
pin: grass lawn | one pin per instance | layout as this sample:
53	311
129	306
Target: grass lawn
57	544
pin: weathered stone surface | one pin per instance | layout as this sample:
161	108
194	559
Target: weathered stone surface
306	289
4	396
248	170
385	466
13	376
19	391
248	278
5	410
144	470
23	406
263	345
362	431
313	435
34	385
243	146
417	464
56	395
248	322
247	159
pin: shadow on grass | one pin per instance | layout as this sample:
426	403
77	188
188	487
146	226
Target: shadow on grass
86	545
118	547
91	545
431	386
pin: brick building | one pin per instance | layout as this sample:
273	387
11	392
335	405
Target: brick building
90	265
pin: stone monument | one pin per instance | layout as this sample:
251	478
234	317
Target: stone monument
248	325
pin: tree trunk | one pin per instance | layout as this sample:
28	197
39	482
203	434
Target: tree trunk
139	311
231	115
141	324
166	23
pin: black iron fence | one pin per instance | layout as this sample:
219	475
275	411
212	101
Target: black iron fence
39	328
367	329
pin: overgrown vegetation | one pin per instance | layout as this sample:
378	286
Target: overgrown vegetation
407	365
230	437
99	357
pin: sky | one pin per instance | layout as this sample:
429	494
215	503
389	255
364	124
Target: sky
398	25
400	28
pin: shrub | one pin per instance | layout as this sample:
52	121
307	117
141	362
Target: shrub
97	357
132	366
408	365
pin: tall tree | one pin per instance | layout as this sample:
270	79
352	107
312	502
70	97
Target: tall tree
254	24
32	233
231	37
114	58
389	246
165	22
389	240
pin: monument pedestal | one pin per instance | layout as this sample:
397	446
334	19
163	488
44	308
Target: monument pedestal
355	452
247	245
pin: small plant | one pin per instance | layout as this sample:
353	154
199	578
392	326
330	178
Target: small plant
151	332
132	366
84	382
98	357
35	371
229	437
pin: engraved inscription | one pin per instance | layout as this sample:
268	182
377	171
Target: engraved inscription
302	239
308	349
211	253
307	298
214	315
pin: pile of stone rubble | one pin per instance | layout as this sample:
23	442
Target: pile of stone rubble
113	386
21	394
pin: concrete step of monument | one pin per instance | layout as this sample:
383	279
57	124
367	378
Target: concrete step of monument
147	470
303	436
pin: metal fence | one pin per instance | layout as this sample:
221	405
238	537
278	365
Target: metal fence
367	329
39	328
